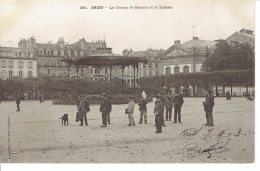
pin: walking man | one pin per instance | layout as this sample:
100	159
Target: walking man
168	102
208	108
18	100
105	109
143	110
130	112
158	111
83	108
178	101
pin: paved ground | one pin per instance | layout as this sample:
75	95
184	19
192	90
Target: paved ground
37	135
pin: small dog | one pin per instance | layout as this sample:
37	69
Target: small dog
65	120
250	98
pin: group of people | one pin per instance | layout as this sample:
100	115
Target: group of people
163	105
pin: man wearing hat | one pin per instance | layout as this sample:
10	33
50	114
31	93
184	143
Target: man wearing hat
168	102
178	101
158	111
130	111
208	108
105	109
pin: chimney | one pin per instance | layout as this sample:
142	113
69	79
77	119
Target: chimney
177	42
195	38
246	31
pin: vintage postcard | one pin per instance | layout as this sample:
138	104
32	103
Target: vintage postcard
127	81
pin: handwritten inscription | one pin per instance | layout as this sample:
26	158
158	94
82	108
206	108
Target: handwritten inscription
212	141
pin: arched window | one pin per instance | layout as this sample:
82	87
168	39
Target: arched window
186	69
167	71
176	69
48	52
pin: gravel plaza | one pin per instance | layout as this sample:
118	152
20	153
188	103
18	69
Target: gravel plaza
37	136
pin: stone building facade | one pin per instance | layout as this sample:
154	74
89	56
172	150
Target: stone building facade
152	68
16	62
187	57
49	55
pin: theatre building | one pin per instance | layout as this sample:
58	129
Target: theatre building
187	57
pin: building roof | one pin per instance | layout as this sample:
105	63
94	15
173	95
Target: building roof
194	46
196	42
242	37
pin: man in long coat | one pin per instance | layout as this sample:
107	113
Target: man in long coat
105	109
158	111
178	101
208	108
168	102
83	108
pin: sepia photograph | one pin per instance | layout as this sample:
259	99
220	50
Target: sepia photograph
127	81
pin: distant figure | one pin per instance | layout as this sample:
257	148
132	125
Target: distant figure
228	96
208	108
168	102
158	111
178	101
105	109
83	108
18	100
41	98
143	110
130	112
110	109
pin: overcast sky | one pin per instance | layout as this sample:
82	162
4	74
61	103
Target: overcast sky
48	20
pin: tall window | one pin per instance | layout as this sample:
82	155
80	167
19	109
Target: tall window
48	52
186	69
150	65
29	65
20	64
42	61
176	69
29	74
157	73
10	74
150	73
3	74
156	65
20	74
11	64
144	65
3	64
167	71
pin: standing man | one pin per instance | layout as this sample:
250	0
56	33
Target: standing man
18	100
158	111
130	111
178	101
228	96
208	108
83	108
143	110
105	108
168	102
109	109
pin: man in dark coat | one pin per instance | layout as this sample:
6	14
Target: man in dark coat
143	110
18	100
105	109
178	101
83	108
228	96
158	111
109	109
208	108
168	103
